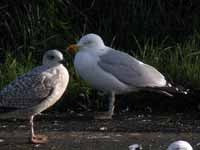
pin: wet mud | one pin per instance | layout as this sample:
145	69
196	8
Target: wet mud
79	131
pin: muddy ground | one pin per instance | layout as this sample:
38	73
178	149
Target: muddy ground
79	131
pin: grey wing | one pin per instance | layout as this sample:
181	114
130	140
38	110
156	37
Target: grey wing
129	70
26	91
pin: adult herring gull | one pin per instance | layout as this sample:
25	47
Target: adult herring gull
114	72
36	91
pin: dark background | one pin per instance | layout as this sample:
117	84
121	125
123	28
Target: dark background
35	26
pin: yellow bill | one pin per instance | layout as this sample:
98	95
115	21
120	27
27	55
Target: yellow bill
72	48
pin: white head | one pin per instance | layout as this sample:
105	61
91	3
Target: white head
91	41
180	145
52	57
135	147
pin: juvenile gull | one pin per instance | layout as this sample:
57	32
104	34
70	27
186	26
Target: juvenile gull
36	90
180	145
114	72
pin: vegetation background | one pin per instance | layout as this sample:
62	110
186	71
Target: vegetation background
165	34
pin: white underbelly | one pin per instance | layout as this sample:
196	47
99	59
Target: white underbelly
89	70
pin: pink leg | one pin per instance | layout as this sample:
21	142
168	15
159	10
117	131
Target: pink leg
36	139
108	114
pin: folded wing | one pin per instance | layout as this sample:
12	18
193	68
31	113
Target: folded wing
27	90
129	70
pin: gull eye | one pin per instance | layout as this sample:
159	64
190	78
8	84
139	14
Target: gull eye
51	57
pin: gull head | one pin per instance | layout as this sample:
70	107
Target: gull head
180	145
87	42
53	57
135	147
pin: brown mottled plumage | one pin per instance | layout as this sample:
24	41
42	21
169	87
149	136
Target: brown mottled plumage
36	90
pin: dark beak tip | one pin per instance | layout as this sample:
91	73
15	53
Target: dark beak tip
63	62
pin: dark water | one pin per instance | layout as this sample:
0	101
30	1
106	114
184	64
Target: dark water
82	132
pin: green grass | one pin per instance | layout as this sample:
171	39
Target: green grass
12	67
178	62
156	32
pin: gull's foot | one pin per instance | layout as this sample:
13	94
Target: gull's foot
103	116
39	139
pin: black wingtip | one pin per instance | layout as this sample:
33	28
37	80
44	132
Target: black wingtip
177	89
